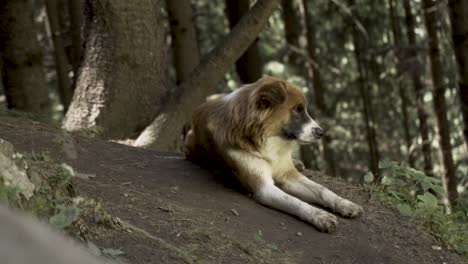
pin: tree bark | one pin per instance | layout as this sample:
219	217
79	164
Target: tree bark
415	71
166	130
397	39
449	178
249	65
75	11
359	47
459	21
320	102
292	29
21	57
184	40
65	90
122	80
292	32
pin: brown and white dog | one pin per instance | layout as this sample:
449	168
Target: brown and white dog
250	132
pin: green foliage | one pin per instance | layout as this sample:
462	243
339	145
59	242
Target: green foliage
53	192
65	217
8	195
417	196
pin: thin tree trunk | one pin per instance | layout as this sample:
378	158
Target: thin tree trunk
459	20
292	29
122	80
449	179
184	39
415	71
75	11
61	63
397	38
359	47
249	65
292	32
166	130
320	102
21	57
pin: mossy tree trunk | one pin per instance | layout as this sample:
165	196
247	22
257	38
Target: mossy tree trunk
459	20
415	72
65	90
449	178
21	57
398	42
249	65
184	38
318	87
366	96
121	82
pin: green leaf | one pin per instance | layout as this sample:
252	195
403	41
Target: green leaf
65	217
464	248
438	189
428	200
369	177
425	186
385	164
405	209
387	180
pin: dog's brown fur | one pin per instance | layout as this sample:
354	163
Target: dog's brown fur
244	132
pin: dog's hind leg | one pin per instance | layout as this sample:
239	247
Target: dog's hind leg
311	192
255	174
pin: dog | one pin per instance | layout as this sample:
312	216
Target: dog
251	133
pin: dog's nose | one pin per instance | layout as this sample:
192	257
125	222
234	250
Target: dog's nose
318	132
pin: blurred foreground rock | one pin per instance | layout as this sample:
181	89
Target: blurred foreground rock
24	240
26	184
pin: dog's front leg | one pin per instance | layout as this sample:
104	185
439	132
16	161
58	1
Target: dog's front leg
300	186
255	173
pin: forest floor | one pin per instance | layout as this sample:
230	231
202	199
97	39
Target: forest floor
178	213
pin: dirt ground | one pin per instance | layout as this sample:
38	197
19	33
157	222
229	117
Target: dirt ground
179	213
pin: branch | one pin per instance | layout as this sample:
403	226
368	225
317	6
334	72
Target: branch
165	131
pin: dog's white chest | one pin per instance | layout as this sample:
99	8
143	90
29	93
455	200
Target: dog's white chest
278	152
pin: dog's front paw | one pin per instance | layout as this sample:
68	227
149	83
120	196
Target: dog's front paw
325	222
349	209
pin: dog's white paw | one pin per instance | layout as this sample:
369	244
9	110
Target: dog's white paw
349	209
325	222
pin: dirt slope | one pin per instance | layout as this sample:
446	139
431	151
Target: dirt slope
180	214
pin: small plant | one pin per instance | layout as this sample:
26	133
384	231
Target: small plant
417	196
45	191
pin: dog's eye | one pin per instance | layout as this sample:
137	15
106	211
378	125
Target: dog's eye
299	108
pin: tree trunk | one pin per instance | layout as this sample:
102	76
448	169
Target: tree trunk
75	11
61	63
320	102
415	71
292	32
122	80
292	29
184	39
397	39
359	47
449	179
166	130
249	65
459	20
21	57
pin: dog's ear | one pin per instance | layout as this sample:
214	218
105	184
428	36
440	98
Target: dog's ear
271	94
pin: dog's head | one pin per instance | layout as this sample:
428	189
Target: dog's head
284	110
